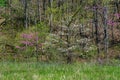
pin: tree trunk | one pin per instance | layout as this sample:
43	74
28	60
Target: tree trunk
44	7
95	13
38	10
51	15
105	30
26	13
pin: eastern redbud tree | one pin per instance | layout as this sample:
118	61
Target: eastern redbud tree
31	40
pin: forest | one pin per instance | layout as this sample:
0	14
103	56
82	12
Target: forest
59	35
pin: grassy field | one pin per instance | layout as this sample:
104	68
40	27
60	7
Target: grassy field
53	71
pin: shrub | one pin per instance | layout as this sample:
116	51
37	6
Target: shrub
30	40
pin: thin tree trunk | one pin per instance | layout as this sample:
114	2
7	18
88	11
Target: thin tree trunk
51	15
105	30
113	26
9	7
69	57
44	8
95	13
38	12
26	13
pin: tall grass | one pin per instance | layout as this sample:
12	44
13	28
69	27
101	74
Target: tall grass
55	71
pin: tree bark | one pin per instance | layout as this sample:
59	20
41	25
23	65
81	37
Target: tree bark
95	13
105	30
38	10
26	13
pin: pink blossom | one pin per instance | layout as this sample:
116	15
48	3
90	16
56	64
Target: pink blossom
117	15
24	35
27	36
40	45
29	39
26	42
18	47
111	23
36	38
31	44
21	48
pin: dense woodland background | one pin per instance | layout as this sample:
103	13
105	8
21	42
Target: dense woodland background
60	30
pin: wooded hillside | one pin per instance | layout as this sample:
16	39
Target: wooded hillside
59	30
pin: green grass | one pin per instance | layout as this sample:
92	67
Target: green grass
54	71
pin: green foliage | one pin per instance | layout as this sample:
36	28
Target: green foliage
56	13
86	52
43	30
6	44
50	47
2	3
91	52
2	43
